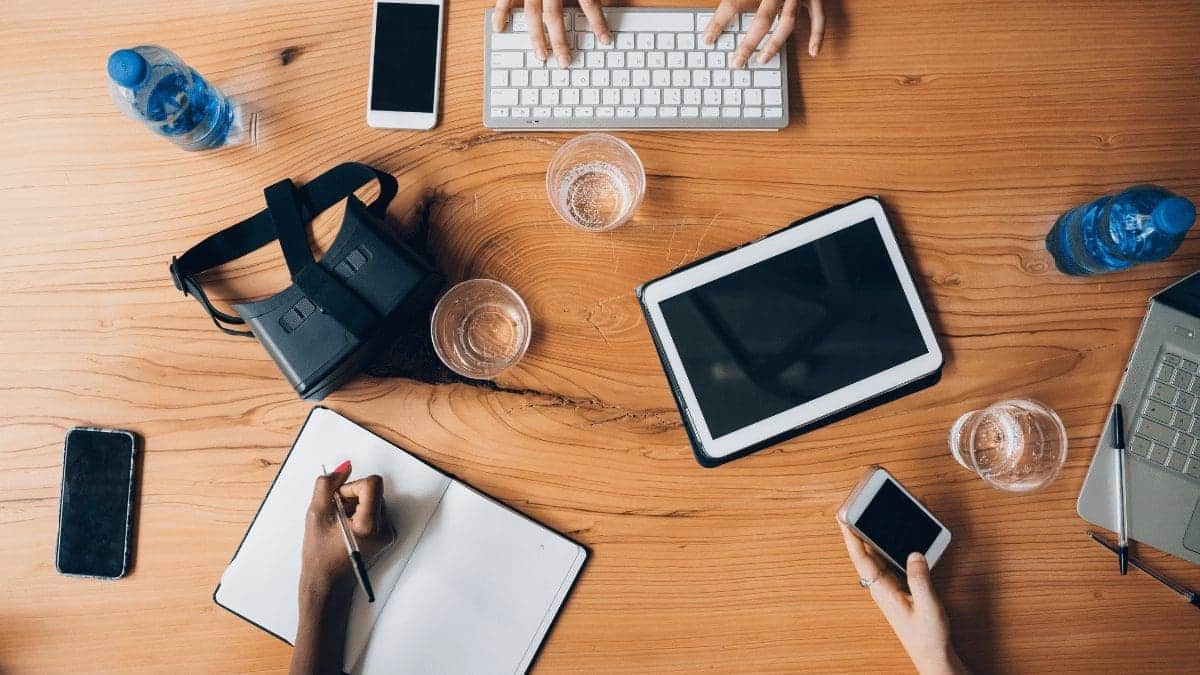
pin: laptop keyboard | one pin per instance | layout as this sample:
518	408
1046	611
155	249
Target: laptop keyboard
1168	428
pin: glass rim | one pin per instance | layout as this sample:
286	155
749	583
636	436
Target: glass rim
590	137
503	288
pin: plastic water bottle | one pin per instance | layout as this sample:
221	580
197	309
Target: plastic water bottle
1143	224
152	85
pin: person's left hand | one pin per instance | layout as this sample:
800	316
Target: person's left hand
786	10
326	563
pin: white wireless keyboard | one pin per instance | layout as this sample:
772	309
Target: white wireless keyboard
657	74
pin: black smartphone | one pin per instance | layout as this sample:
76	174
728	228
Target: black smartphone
95	508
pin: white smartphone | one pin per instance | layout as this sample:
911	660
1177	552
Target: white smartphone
406	64
893	521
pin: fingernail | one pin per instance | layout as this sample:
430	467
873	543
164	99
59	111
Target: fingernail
343	467
739	62
915	557
564	61
762	58
541	54
812	50
606	39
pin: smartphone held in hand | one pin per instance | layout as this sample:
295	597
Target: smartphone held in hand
892	521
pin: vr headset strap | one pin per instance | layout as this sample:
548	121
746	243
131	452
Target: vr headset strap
293	209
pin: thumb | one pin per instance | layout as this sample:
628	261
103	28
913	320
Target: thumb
919	583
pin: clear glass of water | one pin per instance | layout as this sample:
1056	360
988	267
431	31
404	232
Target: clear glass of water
595	182
480	328
1017	445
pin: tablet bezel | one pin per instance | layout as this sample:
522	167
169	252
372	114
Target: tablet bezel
722	265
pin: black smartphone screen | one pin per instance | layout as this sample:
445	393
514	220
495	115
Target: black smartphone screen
897	524
96	506
405	59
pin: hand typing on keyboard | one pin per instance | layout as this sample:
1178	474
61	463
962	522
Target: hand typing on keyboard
552	32
764	18
554	22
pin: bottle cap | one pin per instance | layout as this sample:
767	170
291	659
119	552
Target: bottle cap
1174	215
127	67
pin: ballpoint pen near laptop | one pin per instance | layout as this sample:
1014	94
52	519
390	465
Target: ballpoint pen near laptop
1118	428
1183	591
360	567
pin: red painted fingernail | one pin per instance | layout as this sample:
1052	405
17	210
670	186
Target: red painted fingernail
343	467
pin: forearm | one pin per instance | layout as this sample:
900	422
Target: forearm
945	662
321	632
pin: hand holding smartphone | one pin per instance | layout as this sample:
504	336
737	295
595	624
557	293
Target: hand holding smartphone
406	64
893	522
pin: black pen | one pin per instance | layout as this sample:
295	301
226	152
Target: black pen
356	559
1185	592
1118	431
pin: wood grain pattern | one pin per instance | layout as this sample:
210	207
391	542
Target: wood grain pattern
977	122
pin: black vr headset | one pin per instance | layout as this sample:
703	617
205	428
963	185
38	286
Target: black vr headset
340	310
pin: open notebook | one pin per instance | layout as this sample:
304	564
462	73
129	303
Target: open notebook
469	586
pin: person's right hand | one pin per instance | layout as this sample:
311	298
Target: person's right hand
917	618
551	20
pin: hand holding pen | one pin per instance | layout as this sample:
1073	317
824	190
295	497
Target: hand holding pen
342	516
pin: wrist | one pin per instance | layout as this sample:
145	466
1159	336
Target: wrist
324	592
944	661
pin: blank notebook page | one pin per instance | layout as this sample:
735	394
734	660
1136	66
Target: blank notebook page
479	592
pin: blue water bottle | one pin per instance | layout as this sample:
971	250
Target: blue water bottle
152	85
1143	224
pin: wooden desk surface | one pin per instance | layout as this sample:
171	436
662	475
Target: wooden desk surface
978	123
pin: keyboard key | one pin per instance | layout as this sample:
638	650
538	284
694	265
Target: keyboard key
767	78
620	78
1181	422
672	96
712	97
517	23
550	97
647	111
631	96
1165	374
702	20
645	40
529	97
1158	454
626	112
606	112
570	96
641	78
695	60
580	78
702	78
625	41
1159	412
615	59
656	60
725	42
665	41
600	78
773	62
730	112
689	111
681	78
520	112
668	111
716	60
562	112
722	78
651	96
499	78
541	112
1177	461
584	111
685	41
1189	366
513	41
1140	446
508	59
1172	359
539	78
691	96
709	111
1185	402
773	113
752	113
676	60
661	78
1156	432
636	60
590	96
752	96
532	61
594	60
1163	392
499	112
1182	380
587	41
741	78
773	97
560	77
653	22
520	78
1183	443
732	97
610	96
504	97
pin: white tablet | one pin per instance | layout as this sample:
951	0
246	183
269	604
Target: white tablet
795	330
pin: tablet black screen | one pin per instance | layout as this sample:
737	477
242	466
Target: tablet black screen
792	328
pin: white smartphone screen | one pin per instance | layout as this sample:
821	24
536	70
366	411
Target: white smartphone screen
404	76
896	524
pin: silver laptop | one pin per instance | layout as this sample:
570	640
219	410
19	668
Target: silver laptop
1160	395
